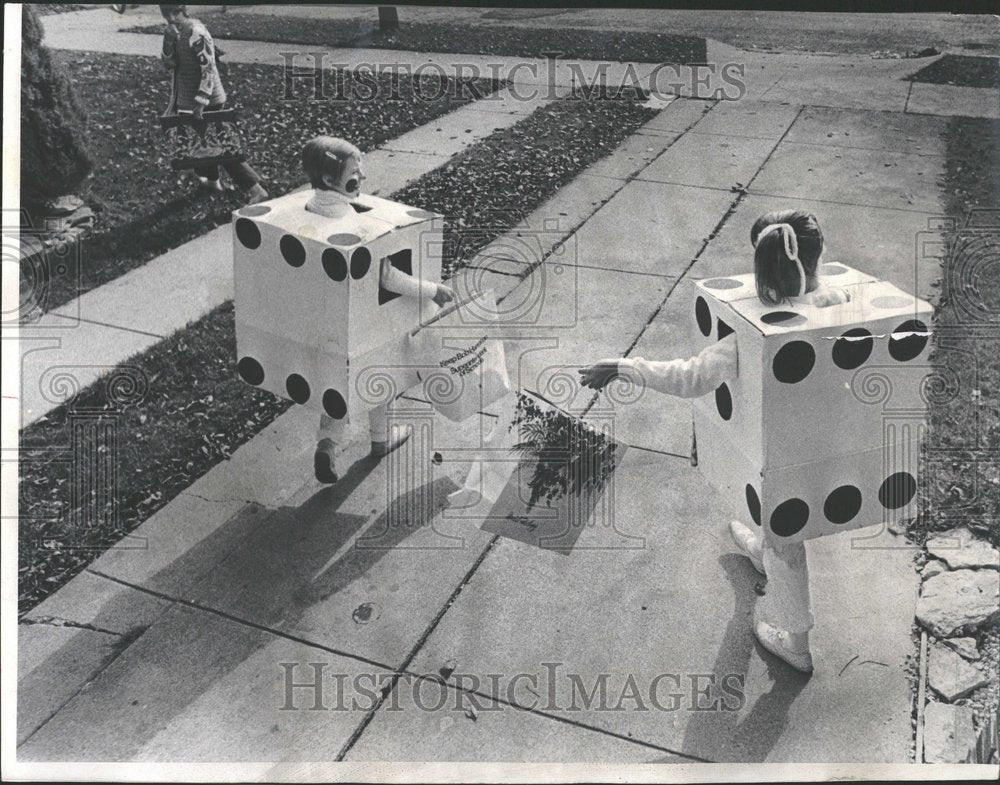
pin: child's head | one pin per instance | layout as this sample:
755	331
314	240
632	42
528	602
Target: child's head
788	245
174	13
333	165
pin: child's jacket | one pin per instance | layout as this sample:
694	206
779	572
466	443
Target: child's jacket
196	77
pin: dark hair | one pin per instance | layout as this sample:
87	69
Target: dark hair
173	9
326	155
778	276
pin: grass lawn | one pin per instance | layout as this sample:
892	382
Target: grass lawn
457	38
961	476
963	487
144	208
195	411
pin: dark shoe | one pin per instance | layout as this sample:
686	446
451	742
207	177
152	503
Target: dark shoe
323	464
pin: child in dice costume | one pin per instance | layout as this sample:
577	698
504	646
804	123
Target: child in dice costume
761	430
328	285
334	168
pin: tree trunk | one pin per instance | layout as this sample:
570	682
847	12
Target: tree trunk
388	19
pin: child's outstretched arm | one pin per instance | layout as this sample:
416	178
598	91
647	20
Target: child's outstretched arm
688	378
398	282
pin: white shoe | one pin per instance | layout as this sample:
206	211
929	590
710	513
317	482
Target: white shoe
749	542
792	649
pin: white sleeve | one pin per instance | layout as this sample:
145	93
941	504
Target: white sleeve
688	378
398	282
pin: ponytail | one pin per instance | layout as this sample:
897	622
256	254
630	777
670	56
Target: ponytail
787	247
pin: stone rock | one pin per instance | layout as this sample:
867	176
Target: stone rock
964	646
950	676
959	600
932	568
949	735
64	205
959	549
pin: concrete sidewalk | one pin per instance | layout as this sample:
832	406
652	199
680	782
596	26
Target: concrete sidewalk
184	642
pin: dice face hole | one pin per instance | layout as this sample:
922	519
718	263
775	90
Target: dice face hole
402	261
890	302
360	208
722	283
905	347
703	316
292	251
753	504
343	238
416	213
783	318
255	210
793	362
361	260
724	402
247	233
832	269
334	404
843	504
297	388
789	517
852	348
334	264
897	490
723	329
251	371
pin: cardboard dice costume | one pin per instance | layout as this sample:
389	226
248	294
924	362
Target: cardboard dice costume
791	440
311	315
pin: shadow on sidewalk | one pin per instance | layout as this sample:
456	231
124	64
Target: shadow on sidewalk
742	736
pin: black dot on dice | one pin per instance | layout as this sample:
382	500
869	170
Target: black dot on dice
793	362
361	260
897	490
247	233
783	318
421	214
832	269
906	347
255	210
297	387
753	504
722	283
250	371
852	348
334	264
789	517
842	504
723	329
292	251
334	404
724	401
703	316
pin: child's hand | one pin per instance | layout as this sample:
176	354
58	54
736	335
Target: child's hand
598	375
443	295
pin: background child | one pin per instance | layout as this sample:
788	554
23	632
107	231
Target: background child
787	250
335	171
188	50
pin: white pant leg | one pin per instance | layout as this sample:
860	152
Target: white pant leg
786	602
336	430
